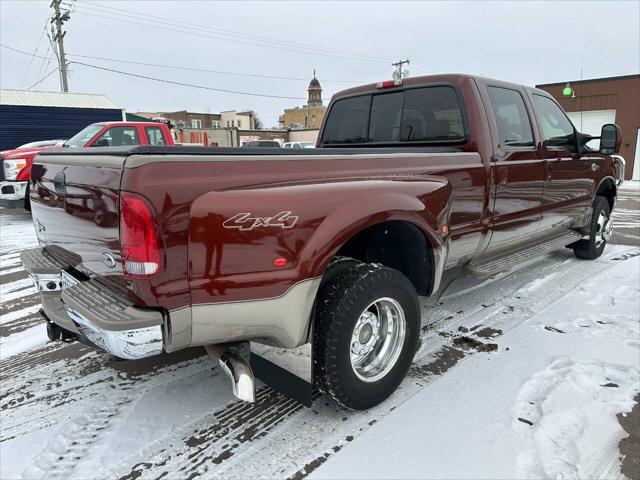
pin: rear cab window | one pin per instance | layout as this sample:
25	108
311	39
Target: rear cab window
431	114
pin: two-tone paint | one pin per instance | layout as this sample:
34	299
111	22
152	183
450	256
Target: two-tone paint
235	269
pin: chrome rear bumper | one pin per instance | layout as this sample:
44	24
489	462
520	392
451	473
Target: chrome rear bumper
108	320
129	344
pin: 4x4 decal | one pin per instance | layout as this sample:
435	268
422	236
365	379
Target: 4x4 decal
246	222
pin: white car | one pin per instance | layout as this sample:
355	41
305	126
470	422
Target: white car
299	145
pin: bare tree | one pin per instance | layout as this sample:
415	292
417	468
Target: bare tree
257	122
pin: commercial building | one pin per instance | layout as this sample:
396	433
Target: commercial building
308	116
231	118
196	120
592	103
28	116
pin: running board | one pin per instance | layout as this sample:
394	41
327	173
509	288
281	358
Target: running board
495	264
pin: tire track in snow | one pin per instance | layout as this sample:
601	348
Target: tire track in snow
66	378
218	437
506	315
212	450
321	429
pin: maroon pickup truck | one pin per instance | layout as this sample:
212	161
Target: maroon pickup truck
304	267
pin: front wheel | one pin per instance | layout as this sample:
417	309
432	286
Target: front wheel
600	231
366	333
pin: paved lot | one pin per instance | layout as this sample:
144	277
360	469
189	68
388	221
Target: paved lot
68	411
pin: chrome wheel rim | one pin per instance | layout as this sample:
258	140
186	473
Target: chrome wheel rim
604	229
377	339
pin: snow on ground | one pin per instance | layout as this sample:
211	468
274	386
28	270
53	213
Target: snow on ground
517	376
543	405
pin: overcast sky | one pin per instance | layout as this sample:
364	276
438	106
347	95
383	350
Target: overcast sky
346	42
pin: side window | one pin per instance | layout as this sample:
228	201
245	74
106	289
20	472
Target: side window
514	127
384	124
155	135
556	127
117	136
432	114
348	121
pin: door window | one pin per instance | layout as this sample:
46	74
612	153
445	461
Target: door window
557	129
118	136
155	135
514	126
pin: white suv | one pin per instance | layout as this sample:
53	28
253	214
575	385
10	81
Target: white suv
299	145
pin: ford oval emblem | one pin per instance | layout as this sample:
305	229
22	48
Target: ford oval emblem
108	260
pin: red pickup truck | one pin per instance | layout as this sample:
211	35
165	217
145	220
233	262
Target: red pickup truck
317	257
16	164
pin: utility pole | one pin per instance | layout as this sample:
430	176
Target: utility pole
57	20
397	73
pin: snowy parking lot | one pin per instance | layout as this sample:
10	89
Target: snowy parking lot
529	374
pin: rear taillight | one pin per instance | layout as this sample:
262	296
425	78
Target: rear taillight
140	241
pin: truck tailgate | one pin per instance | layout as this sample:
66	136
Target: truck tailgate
74	202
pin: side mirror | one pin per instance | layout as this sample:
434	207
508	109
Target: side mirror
101	142
610	139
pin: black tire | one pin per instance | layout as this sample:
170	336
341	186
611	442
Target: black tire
339	305
27	199
336	266
589	249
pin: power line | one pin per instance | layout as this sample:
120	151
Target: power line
143	16
243	42
206	70
45	61
44	29
181	24
162	80
176	67
183	84
43	78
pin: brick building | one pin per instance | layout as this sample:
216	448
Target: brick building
308	116
594	102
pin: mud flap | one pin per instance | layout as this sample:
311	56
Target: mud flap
286	370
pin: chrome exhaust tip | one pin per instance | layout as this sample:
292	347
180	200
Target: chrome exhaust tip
242	380
237	369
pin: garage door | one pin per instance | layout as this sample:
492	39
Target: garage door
591	122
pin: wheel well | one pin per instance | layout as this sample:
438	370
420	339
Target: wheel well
396	244
607	189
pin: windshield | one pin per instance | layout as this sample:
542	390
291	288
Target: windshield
308	145
81	138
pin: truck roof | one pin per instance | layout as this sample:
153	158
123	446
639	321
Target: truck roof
116	122
455	78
